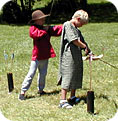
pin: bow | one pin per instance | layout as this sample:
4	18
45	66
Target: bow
92	57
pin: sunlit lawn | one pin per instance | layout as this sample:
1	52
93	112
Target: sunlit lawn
101	37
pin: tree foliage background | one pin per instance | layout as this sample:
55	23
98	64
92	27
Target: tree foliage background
19	11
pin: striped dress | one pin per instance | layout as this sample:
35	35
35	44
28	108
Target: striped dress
71	64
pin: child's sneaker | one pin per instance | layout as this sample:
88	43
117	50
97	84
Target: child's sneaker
21	97
73	100
42	93
65	105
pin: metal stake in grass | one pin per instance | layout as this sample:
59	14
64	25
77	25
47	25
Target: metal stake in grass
9	75
10	82
90	93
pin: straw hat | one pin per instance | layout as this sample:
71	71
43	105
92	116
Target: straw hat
38	14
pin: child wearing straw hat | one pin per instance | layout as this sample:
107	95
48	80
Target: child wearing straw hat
71	64
42	51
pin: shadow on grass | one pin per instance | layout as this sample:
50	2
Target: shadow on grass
96	96
106	97
83	98
55	92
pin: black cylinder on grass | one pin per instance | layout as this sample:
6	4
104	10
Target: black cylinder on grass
90	101
10	82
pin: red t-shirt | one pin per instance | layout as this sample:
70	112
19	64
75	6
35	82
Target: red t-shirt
42	48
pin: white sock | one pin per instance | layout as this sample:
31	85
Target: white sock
62	101
22	92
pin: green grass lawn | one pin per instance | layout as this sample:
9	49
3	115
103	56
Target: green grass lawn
101	37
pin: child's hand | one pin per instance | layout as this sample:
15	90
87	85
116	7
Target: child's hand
87	51
46	28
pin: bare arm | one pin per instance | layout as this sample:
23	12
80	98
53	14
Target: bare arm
79	43
82	45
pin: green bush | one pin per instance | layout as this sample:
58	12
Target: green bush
11	13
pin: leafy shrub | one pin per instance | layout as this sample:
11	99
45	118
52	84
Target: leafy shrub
11	13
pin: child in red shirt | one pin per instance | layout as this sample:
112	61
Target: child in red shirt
42	51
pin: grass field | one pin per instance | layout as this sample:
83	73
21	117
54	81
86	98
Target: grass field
102	38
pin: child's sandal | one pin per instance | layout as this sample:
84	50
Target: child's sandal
65	105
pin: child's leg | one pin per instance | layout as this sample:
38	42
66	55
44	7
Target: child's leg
73	99
72	92
63	102
43	65
63	94
28	79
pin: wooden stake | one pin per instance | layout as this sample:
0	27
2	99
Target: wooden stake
90	102
10	82
90	94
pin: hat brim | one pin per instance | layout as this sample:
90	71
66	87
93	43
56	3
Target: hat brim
32	20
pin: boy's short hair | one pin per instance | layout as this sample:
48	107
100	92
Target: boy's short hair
82	14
